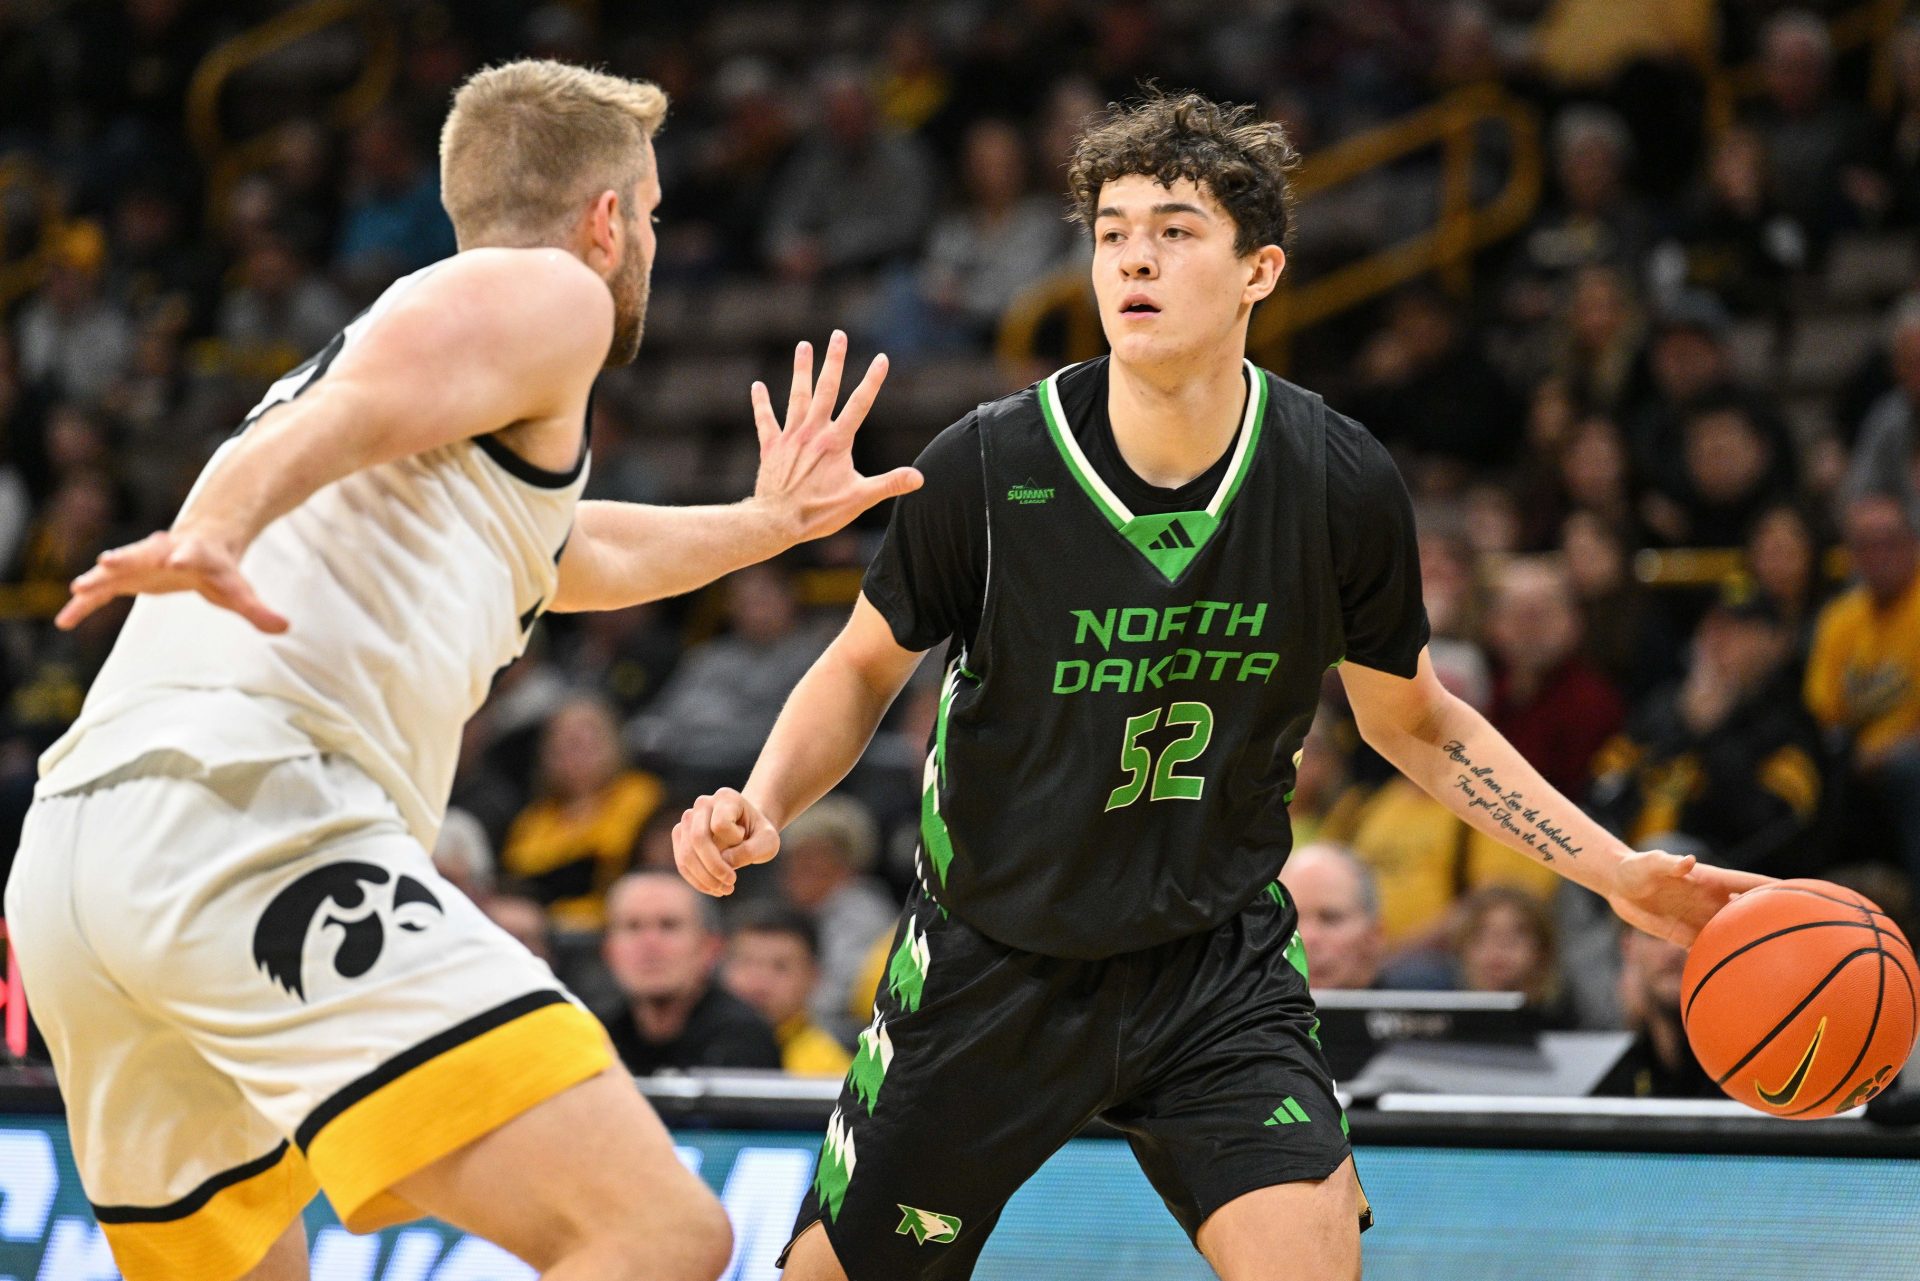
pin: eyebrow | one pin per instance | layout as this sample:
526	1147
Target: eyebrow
1168	207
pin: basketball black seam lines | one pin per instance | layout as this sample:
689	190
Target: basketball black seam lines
1744	948
1797	1010
1846	903
1879	1003
1913	998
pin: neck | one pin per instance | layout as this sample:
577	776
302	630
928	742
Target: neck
662	1018
1173	422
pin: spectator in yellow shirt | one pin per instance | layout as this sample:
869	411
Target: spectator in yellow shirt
1863	676
773	965
568	847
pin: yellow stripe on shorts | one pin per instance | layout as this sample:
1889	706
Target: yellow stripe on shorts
443	1094
218	1231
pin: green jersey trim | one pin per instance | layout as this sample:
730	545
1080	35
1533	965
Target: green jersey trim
934	837
1168	540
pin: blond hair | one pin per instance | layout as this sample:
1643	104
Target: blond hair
530	143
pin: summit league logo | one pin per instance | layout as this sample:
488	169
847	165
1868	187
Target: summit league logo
337	912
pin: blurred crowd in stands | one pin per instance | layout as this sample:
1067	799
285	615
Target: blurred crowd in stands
1665	450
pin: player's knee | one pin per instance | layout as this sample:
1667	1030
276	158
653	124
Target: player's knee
699	1248
712	1241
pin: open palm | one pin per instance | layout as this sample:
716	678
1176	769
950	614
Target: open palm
806	464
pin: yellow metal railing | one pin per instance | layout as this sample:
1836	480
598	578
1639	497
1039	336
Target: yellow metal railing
1457	125
20	274
229	159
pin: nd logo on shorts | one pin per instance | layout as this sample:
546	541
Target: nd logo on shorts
338	896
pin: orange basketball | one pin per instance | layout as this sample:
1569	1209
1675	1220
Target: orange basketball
1800	999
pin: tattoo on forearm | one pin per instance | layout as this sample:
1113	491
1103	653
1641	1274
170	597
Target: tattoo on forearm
1507	807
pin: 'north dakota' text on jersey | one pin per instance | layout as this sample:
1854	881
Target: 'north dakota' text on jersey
1113	756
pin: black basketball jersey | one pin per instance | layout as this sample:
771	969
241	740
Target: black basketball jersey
1117	729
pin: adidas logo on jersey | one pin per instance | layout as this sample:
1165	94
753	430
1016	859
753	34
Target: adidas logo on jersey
1174	538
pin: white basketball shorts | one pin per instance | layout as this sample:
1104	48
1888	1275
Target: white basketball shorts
253	983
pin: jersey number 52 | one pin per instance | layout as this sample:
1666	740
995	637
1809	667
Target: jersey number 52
1157	780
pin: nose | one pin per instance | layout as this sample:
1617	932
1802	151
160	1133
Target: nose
1137	261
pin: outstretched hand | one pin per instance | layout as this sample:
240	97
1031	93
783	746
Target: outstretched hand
718	834
806	465
1672	896
168	562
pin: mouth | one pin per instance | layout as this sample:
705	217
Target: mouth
1138	305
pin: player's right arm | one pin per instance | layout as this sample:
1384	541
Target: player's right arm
927	583
490	340
826	724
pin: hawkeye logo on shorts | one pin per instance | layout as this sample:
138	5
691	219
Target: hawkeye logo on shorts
925	1226
336	897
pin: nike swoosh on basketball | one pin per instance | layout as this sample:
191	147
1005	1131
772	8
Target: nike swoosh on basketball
1786	1093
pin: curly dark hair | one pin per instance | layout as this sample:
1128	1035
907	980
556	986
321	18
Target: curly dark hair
1241	160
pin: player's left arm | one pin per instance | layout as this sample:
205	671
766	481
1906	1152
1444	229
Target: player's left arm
1449	749
622	554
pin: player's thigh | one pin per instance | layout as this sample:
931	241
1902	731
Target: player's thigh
286	1258
184	1175
591	1164
812	1258
290	927
1308	1230
980	1063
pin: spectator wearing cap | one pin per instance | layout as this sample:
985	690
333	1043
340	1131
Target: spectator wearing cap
1688	361
825	857
1863	676
773	964
662	948
1728	755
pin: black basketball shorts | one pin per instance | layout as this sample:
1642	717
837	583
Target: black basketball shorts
982	1060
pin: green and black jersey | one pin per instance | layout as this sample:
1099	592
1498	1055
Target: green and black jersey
1131	670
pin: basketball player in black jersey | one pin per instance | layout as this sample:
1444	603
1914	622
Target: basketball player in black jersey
1140	569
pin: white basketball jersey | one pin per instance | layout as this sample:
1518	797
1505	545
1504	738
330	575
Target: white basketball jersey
407	586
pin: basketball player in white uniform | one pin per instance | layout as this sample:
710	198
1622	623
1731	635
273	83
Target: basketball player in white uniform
252	980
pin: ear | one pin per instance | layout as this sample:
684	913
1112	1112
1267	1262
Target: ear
1265	264
605	232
